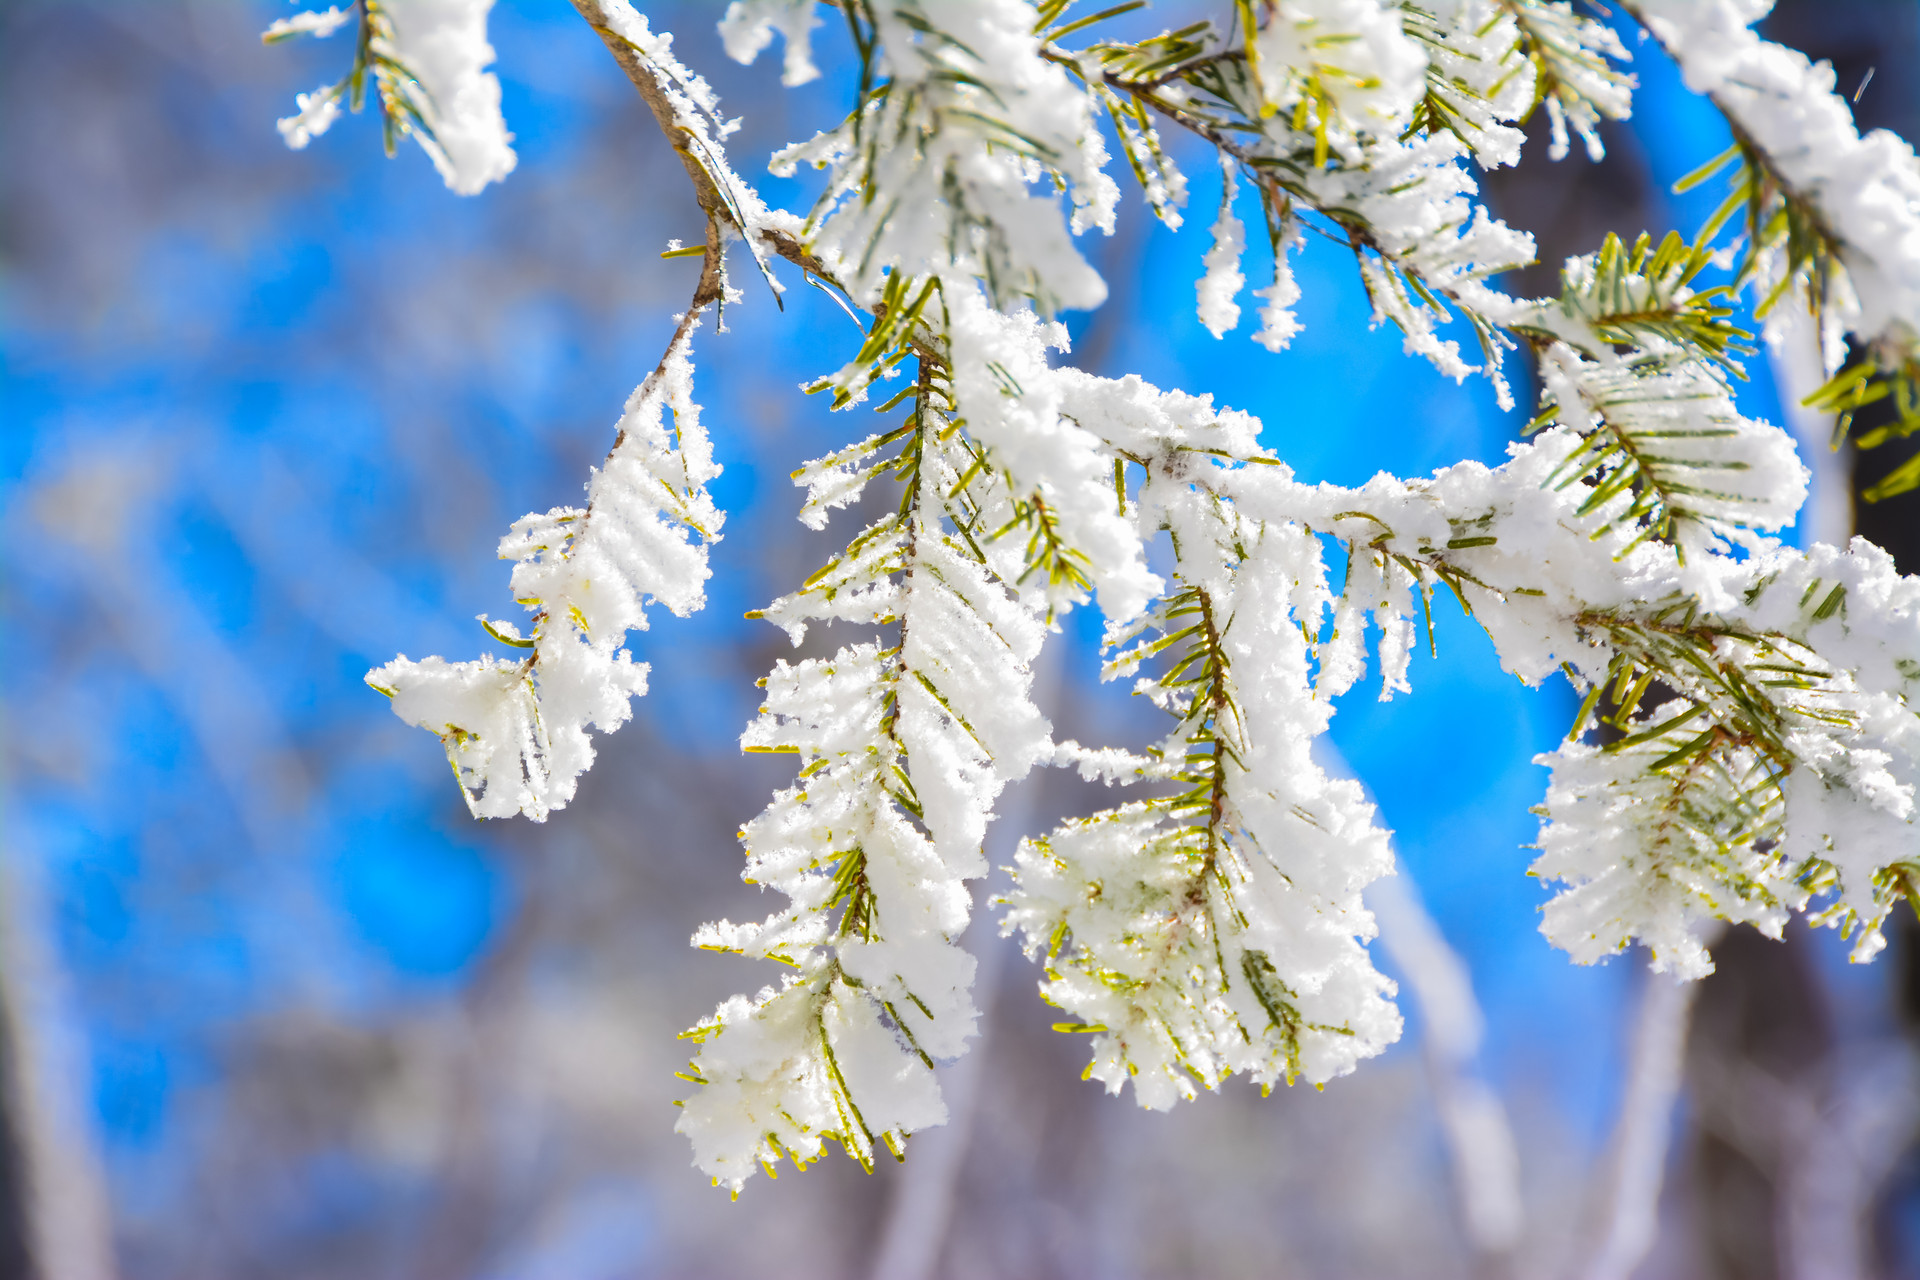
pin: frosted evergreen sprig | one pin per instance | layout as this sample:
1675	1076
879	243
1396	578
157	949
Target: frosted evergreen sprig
1218	928
1828	215
956	115
1725	800
425	61
901	752
1310	141
1480	79
1574	76
516	732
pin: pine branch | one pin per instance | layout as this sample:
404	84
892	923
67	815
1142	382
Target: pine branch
1573	77
1479	81
1407	273
513	748
1797	251
901	752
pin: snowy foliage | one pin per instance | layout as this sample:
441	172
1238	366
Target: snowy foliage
1832	219
516	732
427	60
1747	747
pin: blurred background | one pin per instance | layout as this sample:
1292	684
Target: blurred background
277	1007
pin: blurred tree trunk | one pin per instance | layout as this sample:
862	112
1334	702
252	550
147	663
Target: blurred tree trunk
54	1222
16	1261
1755	1069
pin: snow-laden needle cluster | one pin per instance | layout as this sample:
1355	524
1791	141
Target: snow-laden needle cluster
515	731
427	63
1831	218
1748	745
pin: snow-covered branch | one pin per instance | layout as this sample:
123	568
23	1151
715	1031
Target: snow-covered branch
516	731
1748	744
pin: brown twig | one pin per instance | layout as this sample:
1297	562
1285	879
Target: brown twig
712	200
